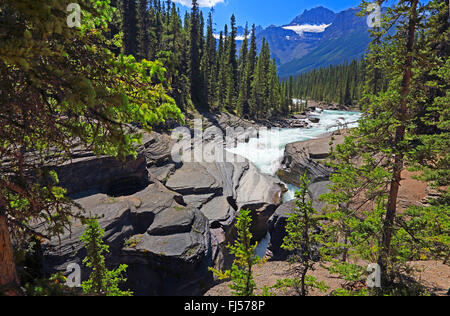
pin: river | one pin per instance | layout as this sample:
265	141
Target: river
267	151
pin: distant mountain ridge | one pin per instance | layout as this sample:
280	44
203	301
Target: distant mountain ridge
318	15
317	38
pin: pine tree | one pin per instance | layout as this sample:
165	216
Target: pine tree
243	75
130	22
232	67
101	281
303	234
143	27
208	65
221	70
241	272
194	42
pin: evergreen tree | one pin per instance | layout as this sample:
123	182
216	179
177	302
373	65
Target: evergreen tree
208	65
241	272
143	26
194	46
130	27
221	69
244	76
303	235
101	281
232	67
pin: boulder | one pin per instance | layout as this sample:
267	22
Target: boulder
300	157
277	229
198	200
192	178
219	212
262	195
162	173
156	148
314	119
296	162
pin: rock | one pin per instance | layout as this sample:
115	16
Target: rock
320	148
300	157
157	214
277	229
167	246
192	178
296	162
89	173
156	148
174	220
300	116
262	195
219	212
316	190
162	173
198	200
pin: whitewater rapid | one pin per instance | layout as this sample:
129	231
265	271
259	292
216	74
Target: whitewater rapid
267	151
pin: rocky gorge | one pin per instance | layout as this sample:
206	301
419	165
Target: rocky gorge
169	221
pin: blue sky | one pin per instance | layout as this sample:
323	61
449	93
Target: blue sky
264	12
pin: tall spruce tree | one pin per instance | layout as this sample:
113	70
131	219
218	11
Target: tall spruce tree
194	46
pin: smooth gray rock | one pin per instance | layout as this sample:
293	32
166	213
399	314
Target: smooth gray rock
277	229
219	212
301	157
173	220
166	245
162	173
258	189
198	200
156	148
296	162
262	195
192	178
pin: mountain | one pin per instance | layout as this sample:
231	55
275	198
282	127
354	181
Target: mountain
344	40
317	38
298	38
316	16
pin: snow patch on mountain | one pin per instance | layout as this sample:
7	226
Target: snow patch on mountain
308	28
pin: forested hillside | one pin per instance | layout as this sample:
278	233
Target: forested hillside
341	84
204	73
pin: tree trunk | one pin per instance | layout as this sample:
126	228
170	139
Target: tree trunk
8	276
399	137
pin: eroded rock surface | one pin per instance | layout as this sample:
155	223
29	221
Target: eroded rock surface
168	221
301	157
166	245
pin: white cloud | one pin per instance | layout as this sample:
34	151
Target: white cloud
201	3
238	38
